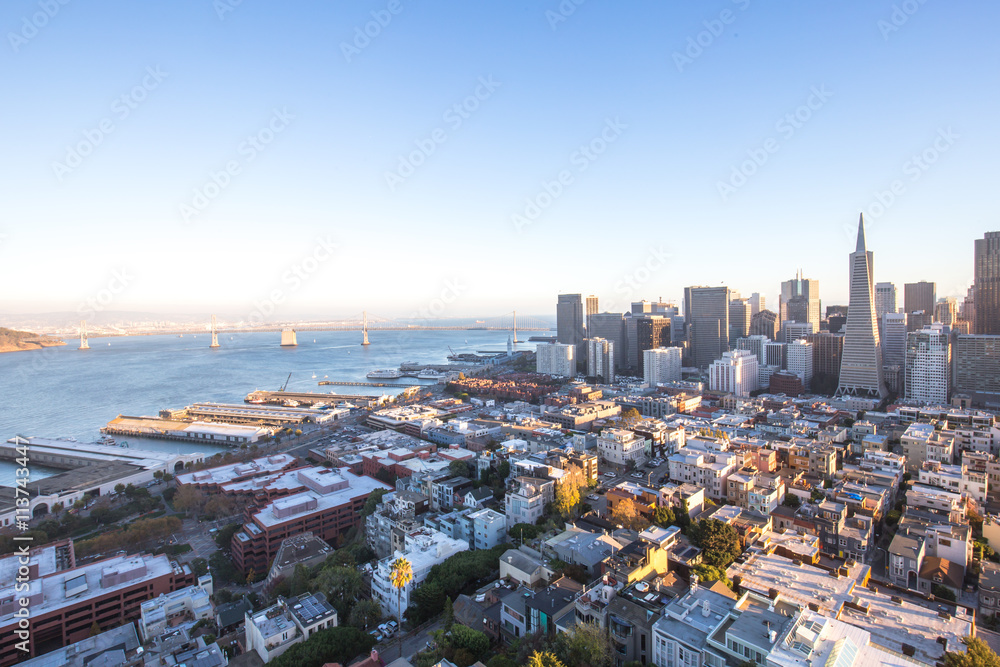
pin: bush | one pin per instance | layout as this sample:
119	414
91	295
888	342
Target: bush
339	644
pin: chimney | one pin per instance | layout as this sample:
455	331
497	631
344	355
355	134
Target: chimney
706	608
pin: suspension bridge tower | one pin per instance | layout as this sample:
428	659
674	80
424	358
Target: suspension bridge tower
84	345
364	328
515	328
215	333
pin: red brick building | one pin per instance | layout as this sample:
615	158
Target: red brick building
329	508
65	600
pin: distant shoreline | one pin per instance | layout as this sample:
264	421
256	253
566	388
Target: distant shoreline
28	345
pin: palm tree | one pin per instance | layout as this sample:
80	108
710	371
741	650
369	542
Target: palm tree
400	574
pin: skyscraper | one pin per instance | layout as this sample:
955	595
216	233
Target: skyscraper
569	321
928	365
611	326
946	310
894	339
799	301
977	367
861	362
919	297
735	372
740	312
556	359
652	331
800	361
706	312
589	310
601	359
987	284
885	299
661	365
764	323
756	303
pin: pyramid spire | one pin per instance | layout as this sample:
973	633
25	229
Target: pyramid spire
862	246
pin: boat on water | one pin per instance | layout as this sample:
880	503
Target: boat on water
314	376
384	374
430	375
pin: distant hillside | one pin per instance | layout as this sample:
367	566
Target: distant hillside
15	341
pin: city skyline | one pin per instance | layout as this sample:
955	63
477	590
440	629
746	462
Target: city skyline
197	155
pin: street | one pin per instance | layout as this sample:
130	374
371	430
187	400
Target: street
413	643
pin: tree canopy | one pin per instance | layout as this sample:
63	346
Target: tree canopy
977	654
718	541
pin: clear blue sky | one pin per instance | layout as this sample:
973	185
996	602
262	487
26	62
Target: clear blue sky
674	128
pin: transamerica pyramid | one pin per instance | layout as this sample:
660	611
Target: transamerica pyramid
861	362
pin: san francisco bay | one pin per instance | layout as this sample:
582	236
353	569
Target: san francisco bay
63	392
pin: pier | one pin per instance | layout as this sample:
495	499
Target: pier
398	385
311	398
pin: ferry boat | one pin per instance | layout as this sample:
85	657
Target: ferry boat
384	374
430	375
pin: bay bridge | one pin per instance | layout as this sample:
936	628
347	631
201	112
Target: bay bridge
362	322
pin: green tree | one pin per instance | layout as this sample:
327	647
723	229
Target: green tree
459	469
400	575
119	489
500	660
300	580
526	531
567	498
943	592
719	542
476	642
710	573
977	654
224	537
629	418
340	644
503	470
544	659
366	615
342	587
587	644
199	566
664	516
372	501
449	613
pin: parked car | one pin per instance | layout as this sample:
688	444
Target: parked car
638	475
593	496
393	625
610	474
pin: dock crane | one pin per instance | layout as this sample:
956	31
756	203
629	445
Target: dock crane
286	382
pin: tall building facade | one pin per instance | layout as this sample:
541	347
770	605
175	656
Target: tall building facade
800	361
706	314
764	323
799	301
754	344
611	326
735	372
928	365
740	312
756	303
828	348
652	331
556	359
590	309
894	329
861	363
661	365
977	367
919	297
776	354
946	311
601	359
792	330
570	322
987	284
885	299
